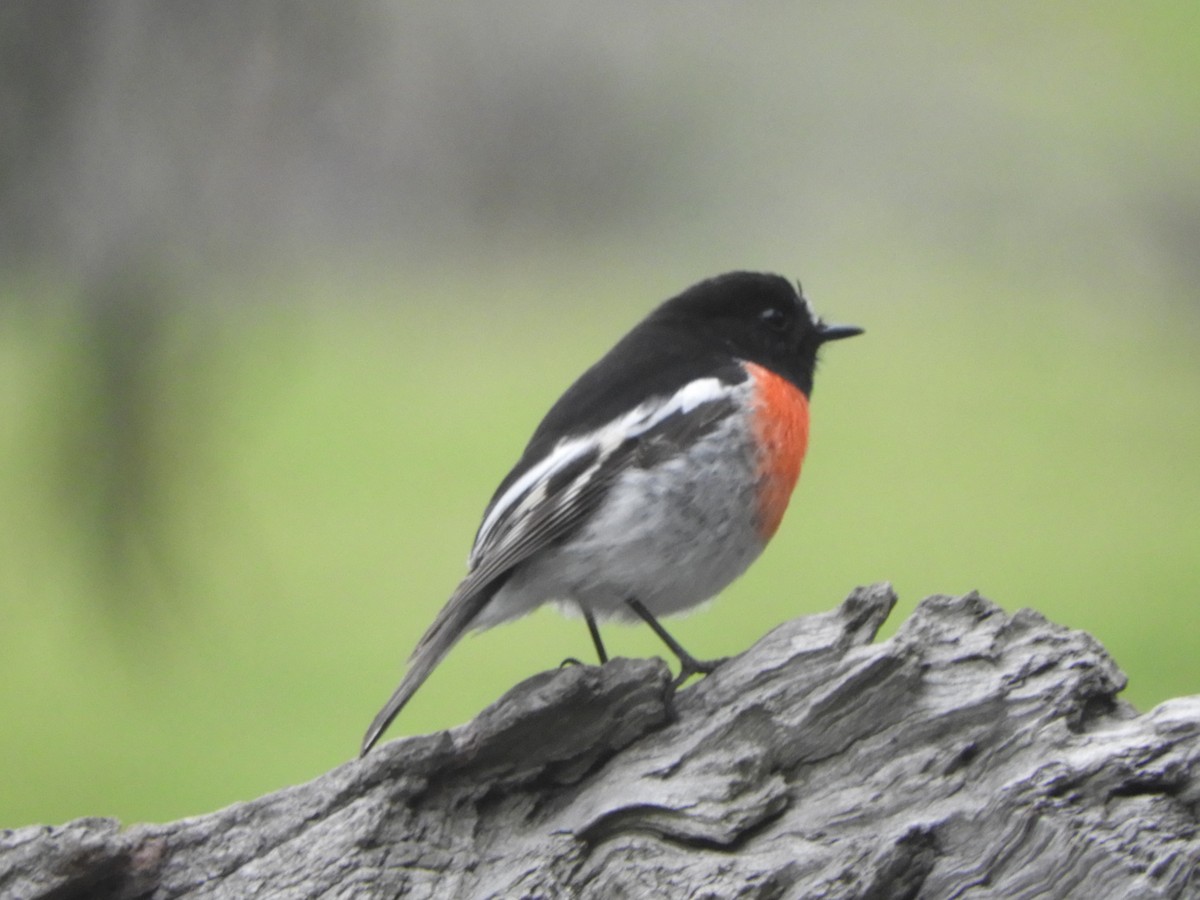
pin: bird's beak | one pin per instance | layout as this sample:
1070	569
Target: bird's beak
837	332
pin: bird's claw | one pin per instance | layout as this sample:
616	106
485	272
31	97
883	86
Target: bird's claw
689	666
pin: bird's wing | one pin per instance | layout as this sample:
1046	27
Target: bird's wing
549	501
561	490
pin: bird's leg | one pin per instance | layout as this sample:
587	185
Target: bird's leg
594	631
688	664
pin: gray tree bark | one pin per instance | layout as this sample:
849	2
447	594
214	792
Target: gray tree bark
973	755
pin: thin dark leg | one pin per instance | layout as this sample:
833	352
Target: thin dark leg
688	664
594	631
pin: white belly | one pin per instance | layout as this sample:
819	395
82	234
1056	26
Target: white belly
669	542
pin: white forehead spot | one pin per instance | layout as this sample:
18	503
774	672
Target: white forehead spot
808	307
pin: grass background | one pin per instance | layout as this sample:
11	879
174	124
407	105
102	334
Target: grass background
323	495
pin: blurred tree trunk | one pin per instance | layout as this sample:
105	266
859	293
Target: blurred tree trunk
974	754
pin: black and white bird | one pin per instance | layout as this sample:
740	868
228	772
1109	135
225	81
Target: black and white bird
655	480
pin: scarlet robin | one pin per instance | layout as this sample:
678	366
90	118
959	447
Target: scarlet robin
655	480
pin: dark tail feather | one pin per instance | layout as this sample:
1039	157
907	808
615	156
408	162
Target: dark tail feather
450	624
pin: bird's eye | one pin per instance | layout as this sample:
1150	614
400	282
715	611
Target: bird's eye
774	318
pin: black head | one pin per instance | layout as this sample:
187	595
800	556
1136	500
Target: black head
757	317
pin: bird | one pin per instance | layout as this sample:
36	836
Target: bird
654	481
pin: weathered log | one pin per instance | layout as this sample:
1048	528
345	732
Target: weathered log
974	754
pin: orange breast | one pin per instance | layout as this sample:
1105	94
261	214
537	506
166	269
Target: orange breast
781	427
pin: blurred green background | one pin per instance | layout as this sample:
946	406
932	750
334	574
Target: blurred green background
284	288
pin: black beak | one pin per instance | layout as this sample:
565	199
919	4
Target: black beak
837	332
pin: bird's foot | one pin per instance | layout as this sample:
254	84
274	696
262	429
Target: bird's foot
689	666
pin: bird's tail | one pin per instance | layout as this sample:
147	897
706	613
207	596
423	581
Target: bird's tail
451	623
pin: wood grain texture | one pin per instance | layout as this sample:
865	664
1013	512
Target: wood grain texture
975	754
